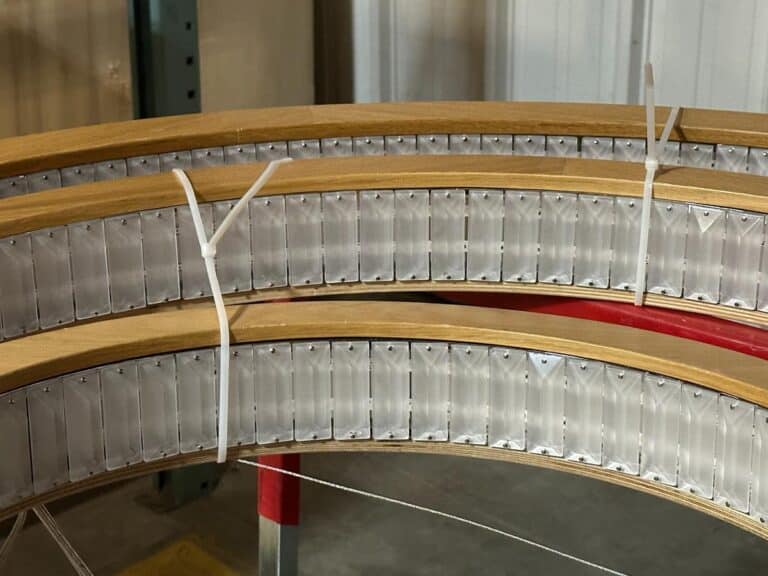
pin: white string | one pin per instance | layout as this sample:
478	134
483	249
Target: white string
12	535
58	536
651	166
208	251
436	513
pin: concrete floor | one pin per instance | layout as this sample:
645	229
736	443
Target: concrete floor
344	534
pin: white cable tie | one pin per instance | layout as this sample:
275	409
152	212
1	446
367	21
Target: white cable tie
58	536
12	535
434	512
651	167
208	252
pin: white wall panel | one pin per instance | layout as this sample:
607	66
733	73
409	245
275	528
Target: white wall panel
706	53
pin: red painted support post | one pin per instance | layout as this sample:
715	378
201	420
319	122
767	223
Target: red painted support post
278	516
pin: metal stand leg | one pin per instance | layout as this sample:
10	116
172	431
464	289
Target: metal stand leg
279	517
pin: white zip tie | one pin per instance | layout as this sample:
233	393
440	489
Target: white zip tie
208	251
12	535
467	521
651	166
58	536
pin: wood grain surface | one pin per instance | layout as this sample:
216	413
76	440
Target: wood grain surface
47	354
100	199
35	152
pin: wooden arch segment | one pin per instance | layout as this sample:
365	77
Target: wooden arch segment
120	140
723	192
731	377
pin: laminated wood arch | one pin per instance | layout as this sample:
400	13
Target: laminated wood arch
577	379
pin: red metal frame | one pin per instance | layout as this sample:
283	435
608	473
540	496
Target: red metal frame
731	335
278	493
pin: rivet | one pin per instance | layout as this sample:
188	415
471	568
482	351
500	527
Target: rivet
466	440
468	351
727	504
594	200
734	405
696	147
123	221
595	142
314	436
558	197
368	141
11	401
272	350
583	365
110	166
656	478
377	196
157	363
554	280
697	393
83	379
45	177
485	195
199	446
706	212
196	357
336	143
519	278
343	279
483	277
390	347
529	139
448	276
699	297
669	208
207	152
338	197
311	347
159	214
429	437
431	138
50	234
660	383
143	160
632	204
400	139
737	304
560	141
496	139
303	144
544	452
692	490
505	445
411	195
13	242
629	144
378	278
46	389
276	439
429	348
506	354
78	171
543	360
119	370
464	138
731	150
235	353
743	218
663	292
619	468
240	149
267	202
87	226
351	347
621	375
271	146
303	200
581	459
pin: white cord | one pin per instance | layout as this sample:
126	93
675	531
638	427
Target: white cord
651	166
208	251
436	513
12	535
58	536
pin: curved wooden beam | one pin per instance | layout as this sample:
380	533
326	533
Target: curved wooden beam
444	449
41	356
36	152
100	199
